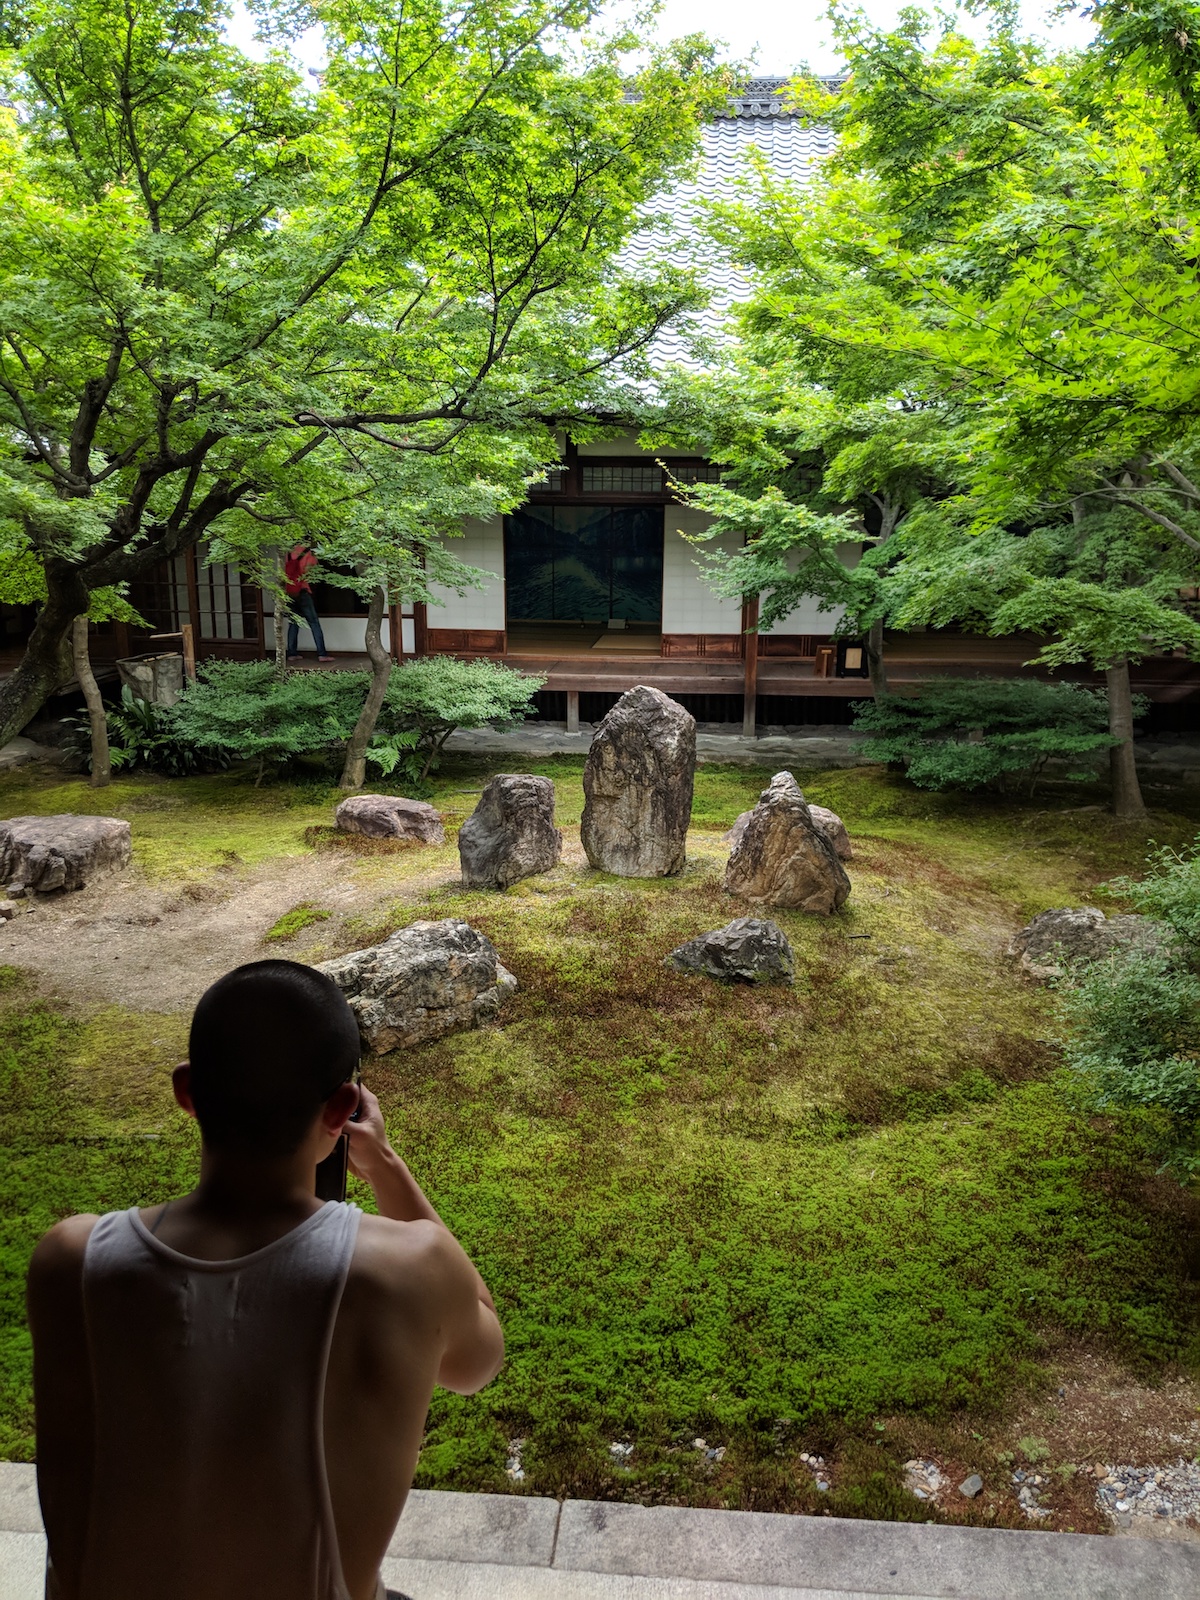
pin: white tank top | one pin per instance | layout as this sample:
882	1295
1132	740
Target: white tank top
209	1384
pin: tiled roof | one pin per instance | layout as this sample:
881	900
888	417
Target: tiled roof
759	115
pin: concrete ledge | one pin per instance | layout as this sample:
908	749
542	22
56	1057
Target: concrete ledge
22	1566
504	1529
518	1547
19	1508
885	1558
447	1580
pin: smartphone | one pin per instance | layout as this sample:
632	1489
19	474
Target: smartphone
334	1170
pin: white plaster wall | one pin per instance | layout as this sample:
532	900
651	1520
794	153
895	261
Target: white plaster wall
481	545
689	605
341	634
807	616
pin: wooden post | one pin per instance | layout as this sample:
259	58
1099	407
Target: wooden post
189	651
572	710
750	669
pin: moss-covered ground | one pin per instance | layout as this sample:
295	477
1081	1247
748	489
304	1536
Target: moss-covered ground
827	1218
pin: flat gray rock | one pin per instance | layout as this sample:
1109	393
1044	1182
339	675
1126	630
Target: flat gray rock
782	858
61	852
747	950
390	816
1055	940
510	835
426	981
637	787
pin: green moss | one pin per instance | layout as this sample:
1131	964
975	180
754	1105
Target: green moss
295	921
764	1216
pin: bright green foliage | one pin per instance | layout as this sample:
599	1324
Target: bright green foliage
141	734
241	307
1134	1019
1135	1036
968	733
428	699
245	708
295	921
1170	891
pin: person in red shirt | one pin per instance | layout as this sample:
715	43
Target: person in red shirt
296	569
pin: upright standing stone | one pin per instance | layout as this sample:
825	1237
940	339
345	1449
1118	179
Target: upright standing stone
637	787
825	821
510	834
782	858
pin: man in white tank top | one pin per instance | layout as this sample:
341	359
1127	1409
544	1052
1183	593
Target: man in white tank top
231	1388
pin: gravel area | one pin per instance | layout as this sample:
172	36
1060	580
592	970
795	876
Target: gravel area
1127	1493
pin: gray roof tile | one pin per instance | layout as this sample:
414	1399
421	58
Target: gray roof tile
759	117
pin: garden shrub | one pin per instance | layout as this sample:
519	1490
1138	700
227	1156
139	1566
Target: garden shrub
971	733
141	734
1134	1017
428	699
249	710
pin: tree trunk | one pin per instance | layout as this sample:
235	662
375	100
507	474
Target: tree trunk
46	664
354	773
1127	802
101	763
875	664
280	615
890	515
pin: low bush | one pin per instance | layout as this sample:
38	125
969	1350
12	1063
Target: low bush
144	735
247	709
428	699
1134	1018
973	733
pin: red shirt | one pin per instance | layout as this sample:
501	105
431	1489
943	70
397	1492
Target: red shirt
294	569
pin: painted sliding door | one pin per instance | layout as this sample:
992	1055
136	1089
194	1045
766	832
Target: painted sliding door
584	563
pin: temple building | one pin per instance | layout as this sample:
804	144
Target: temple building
592	583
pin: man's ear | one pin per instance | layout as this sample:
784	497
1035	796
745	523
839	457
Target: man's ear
339	1108
181	1083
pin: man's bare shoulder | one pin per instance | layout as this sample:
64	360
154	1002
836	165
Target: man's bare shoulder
61	1250
402	1258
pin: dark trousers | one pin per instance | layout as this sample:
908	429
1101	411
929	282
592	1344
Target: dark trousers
303	605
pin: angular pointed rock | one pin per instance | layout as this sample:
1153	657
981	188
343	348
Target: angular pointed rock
637	787
510	835
782	858
826	822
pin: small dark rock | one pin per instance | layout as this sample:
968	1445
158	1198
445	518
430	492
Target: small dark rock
1049	944
747	950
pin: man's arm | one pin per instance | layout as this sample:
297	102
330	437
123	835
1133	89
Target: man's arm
474	1351
62	1388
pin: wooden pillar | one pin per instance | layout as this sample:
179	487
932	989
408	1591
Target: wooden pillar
572	710
750	669
188	643
395	632
420	627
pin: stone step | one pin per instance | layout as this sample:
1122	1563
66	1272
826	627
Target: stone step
515	1547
